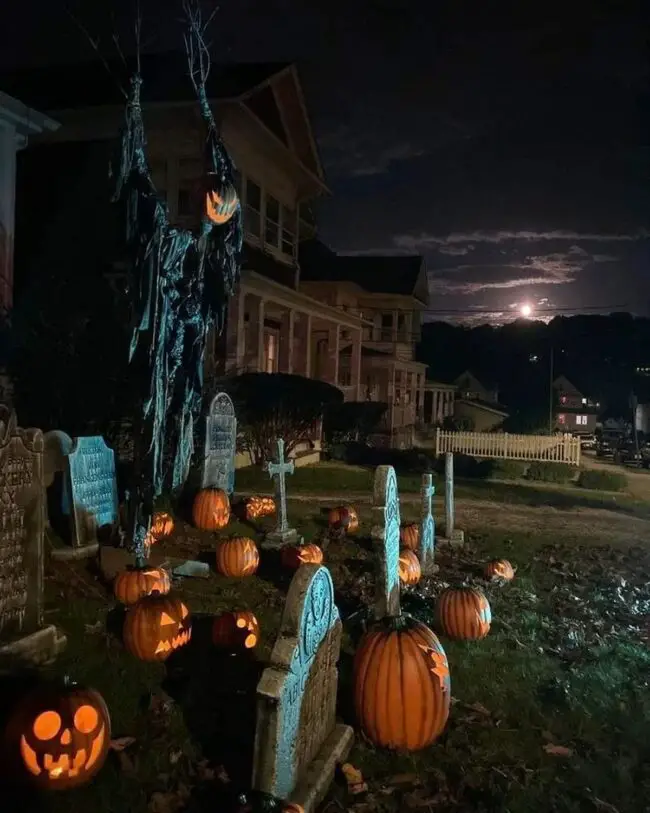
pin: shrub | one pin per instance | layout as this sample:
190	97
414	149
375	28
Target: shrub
466	466
547	472
603	480
277	405
508	469
352	420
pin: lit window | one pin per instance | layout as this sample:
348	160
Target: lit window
581	420
561	418
563	399
270	351
584	400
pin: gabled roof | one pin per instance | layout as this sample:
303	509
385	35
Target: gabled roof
165	79
562	384
400	275
468	381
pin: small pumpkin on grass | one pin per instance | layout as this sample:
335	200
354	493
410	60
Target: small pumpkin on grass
409	536
293	556
463	613
410	571
258	507
156	626
211	509
402	689
132	585
162	526
236	630
499	570
60	735
237	557
343	518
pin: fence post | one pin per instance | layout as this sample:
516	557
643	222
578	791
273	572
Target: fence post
437	441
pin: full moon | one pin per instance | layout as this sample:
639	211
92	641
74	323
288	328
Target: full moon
526	310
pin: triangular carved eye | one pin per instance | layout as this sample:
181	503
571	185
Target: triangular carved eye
184	611
165	620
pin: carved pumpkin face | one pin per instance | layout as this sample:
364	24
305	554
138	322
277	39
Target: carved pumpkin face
293	556
238	630
65	735
157	626
221	201
499	570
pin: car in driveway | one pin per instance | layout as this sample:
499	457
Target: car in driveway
607	442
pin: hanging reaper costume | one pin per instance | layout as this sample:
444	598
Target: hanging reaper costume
180	282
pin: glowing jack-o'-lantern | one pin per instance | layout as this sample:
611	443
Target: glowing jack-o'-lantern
131	585
343	518
499	570
62	733
221	201
156	626
236	630
162	526
293	556
211	509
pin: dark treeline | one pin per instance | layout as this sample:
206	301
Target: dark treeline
600	355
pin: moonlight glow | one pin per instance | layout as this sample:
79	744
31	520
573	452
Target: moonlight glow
526	310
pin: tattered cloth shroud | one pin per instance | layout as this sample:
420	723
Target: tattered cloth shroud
179	286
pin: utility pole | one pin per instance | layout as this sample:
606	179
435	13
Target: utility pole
550	394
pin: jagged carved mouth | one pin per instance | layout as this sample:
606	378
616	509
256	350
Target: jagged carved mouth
63	765
174	643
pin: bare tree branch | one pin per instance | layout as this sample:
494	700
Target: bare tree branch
95	45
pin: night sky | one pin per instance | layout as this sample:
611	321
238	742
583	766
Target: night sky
510	149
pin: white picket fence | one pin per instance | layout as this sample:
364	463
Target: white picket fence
555	448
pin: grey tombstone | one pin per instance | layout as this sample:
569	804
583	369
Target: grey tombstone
426	548
298	742
93	495
23	638
453	536
385	534
220	445
282	535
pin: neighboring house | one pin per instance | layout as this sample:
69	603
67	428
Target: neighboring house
389	294
17	123
273	324
439	402
477	405
573	412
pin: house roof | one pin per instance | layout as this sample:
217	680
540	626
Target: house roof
563	384
165	79
499	409
468	381
374	273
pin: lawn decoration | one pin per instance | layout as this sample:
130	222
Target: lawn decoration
237	557
258	507
236	630
499	570
463	613
156	626
132	585
63	733
180	282
211	509
293	556
343	518
409	536
402	689
410	571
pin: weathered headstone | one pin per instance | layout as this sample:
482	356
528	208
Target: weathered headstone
426	548
452	535
283	534
23	638
220	444
297	740
93	494
385	534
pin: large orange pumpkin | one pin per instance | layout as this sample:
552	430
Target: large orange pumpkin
211	509
499	570
410	571
293	556
156	626
221	202
409	536
237	557
237	630
402	689
131	585
463	613
345	518
60	735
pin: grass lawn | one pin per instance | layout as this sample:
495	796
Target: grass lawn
550	713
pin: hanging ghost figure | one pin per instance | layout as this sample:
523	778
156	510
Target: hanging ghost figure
180	282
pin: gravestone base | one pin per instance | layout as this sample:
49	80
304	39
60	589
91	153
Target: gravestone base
275	540
312	789
74	553
457	539
37	648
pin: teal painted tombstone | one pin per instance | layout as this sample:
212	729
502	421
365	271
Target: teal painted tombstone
426	548
297	740
385	534
220	444
93	490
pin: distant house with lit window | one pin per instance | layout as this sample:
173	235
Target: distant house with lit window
573	411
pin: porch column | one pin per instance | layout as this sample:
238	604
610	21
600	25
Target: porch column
333	344
308	346
285	360
260	335
355	362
